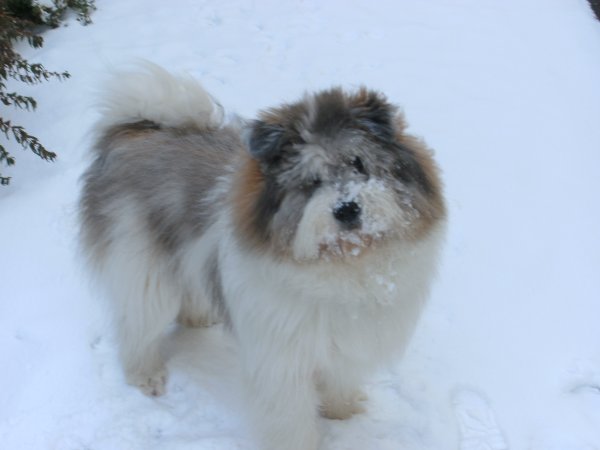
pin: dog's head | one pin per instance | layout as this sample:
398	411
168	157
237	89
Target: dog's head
332	176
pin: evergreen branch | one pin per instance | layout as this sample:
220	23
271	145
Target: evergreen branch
20	101
26	140
23	20
33	73
5	157
5	126
31	142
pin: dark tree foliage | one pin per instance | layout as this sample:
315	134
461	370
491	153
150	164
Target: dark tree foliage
25	20
595	4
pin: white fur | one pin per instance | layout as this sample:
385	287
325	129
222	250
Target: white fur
311	334
316	226
152	93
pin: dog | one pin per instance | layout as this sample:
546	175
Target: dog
312	233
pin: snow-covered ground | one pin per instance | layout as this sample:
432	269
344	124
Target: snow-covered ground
507	355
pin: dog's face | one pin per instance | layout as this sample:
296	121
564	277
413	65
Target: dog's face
332	176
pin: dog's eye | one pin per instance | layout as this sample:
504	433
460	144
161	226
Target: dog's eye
358	165
402	172
312	184
293	141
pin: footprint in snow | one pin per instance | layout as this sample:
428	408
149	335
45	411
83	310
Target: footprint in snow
477	422
583	378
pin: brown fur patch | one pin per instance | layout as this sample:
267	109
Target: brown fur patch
431	205
247	187
366	98
133	130
119	134
347	248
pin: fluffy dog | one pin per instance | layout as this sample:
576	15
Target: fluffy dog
311	232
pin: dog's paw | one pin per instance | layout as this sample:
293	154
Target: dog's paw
342	409
153	385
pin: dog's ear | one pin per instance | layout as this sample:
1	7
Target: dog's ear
265	140
372	112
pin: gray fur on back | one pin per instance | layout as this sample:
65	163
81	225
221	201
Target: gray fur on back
162	175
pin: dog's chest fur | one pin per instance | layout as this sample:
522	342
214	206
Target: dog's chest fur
361	310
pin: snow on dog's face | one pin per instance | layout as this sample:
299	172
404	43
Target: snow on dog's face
332	176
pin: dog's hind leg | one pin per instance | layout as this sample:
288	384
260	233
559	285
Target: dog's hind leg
203	304
141	332
145	304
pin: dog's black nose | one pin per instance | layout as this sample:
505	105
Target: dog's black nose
347	213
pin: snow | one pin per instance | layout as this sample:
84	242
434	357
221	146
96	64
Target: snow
507	354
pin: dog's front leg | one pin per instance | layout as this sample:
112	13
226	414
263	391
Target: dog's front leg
282	399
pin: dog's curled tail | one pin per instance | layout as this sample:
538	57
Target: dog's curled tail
151	93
